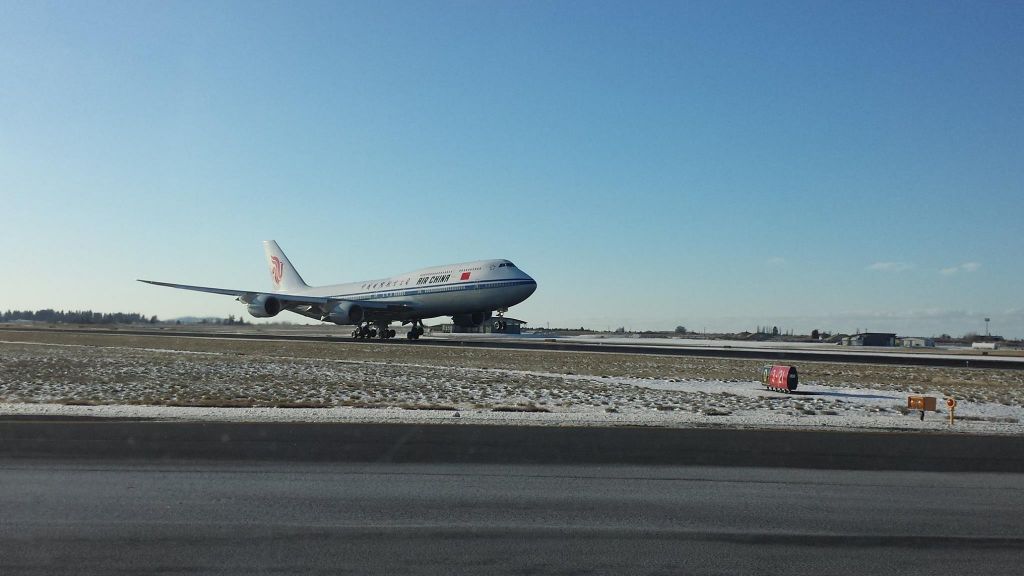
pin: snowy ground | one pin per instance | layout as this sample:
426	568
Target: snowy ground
181	379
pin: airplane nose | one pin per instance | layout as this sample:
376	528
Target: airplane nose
532	285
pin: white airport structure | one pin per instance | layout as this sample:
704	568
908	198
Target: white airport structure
916	342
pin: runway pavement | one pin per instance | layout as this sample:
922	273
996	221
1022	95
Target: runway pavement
846	355
109	497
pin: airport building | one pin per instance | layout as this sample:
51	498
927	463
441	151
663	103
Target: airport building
870	339
495	325
916	342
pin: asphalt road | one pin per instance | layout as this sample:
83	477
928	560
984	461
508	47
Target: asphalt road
117	497
204	517
99	439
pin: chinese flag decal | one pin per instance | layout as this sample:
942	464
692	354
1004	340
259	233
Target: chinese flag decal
465	276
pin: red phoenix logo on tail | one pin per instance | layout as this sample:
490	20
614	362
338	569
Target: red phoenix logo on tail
276	269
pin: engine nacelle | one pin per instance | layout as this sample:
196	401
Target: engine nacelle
474	319
264	306
346	313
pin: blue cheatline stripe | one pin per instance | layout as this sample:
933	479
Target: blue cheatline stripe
436	289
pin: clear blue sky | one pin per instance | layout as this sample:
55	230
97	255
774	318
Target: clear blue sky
720	165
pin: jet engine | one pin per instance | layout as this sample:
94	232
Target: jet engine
264	306
474	319
346	313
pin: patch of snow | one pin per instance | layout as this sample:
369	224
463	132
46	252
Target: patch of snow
119	379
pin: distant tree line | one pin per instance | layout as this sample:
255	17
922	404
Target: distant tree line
229	321
77	317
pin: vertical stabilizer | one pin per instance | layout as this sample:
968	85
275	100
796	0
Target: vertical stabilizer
282	273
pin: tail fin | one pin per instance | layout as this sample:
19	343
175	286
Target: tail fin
282	272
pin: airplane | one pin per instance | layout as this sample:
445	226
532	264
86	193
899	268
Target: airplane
468	292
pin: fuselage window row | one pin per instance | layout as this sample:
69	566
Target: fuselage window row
435	290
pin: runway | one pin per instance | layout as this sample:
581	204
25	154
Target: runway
109	497
846	355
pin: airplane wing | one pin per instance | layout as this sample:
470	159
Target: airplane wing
246	295
374	310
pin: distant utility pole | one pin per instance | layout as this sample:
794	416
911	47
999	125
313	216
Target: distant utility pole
986	327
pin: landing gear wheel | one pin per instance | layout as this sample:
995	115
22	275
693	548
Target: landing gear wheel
416	331
360	332
381	331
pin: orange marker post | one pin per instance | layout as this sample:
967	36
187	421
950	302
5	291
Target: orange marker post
951	404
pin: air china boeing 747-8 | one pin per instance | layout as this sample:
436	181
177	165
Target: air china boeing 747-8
468	292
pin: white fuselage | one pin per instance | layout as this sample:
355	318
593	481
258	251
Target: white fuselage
465	288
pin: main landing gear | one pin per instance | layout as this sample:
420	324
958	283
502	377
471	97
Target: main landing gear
416	331
366	331
380	330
